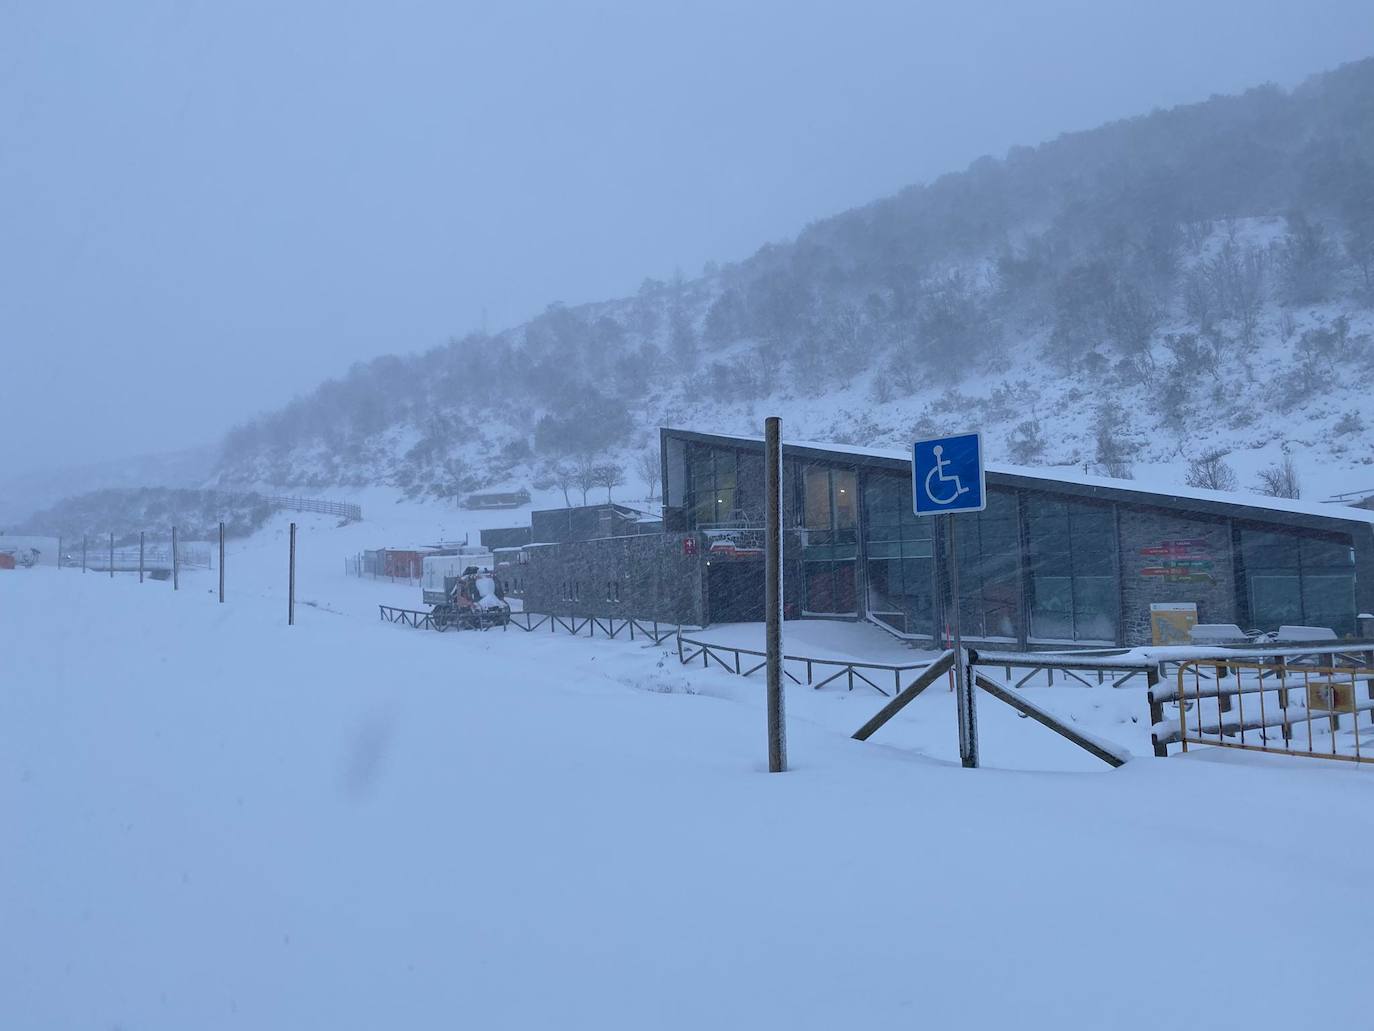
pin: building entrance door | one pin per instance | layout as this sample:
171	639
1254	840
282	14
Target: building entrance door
734	591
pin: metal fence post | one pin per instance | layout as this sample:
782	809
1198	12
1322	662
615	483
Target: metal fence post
140	556
221	563
112	556
176	564
83	552
772	461
59	554
291	583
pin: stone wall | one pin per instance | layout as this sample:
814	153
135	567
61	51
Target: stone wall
653	576
1172	557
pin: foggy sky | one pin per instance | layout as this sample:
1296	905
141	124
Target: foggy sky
207	208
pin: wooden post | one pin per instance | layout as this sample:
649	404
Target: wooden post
932	673
772	462
221	563
291	583
176	564
1108	755
1157	710
140	556
111	556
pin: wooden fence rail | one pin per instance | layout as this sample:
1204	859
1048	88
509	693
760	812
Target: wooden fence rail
733	660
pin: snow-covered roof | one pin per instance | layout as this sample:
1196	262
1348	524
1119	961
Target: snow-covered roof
1072	475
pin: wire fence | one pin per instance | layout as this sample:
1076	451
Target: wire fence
154	555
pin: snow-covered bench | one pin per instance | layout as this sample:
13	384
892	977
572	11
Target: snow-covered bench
1217	633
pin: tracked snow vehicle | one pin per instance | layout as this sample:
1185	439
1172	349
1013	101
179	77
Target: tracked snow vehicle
463	593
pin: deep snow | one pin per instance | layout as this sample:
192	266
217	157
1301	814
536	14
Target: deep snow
214	820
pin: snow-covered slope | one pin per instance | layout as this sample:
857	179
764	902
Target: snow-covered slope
1303	388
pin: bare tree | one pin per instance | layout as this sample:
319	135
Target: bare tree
609	475
649	465
1211	472
1237	280
1280	480
564	477
584	473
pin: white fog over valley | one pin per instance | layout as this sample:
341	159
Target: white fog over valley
738	515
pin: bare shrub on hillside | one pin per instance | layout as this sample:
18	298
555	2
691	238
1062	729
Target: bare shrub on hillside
1280	480
1026	443
1211	472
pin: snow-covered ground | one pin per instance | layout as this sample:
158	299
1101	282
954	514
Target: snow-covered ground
215	820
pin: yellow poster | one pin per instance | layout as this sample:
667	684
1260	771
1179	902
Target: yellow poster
1171	621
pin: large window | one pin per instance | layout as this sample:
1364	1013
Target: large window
830	519
724	487
675	473
989	549
1073	568
1298	580
900	554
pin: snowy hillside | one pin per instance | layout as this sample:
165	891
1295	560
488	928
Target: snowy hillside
1194	283
215	820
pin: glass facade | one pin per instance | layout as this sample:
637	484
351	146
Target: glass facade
989	550
1297	580
1073	570
900	550
1038	566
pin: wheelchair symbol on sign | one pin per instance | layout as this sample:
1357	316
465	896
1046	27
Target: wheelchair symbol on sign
938	474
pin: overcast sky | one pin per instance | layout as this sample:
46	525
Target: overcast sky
207	207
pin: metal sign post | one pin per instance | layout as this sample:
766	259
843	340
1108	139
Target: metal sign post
947	479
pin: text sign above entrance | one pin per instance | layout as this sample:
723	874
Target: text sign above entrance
947	475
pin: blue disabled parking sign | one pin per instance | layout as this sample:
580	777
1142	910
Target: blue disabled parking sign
947	475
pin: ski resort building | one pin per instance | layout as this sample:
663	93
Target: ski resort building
1051	562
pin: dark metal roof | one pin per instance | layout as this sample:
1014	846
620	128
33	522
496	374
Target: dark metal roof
1189	501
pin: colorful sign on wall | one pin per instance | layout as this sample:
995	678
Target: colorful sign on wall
734	543
1179	560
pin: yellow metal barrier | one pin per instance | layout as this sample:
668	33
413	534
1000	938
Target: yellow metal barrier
1311	710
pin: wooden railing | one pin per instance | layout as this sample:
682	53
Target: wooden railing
733	660
611	627
338	508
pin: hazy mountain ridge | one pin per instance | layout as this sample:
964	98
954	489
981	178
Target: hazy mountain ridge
1206	270
126	511
22	496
